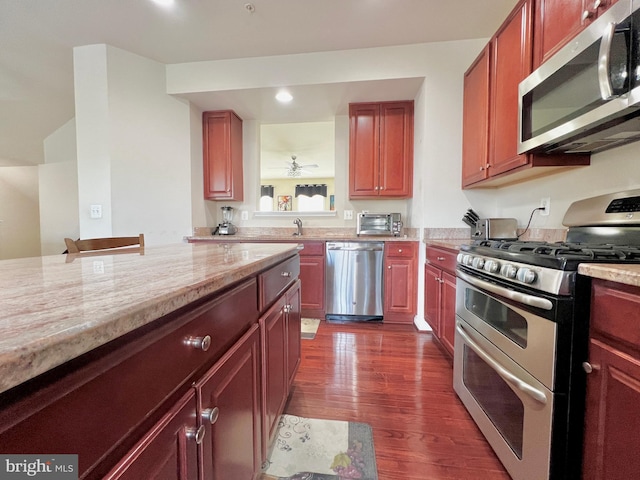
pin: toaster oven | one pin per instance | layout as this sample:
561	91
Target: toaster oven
388	224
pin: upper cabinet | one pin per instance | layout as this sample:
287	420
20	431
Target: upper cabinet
490	112
381	150
222	155
558	21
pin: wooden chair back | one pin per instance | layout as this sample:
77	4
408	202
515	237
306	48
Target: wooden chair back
77	246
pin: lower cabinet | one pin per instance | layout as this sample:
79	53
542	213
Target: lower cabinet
612	418
229	412
400	279
195	395
169	450
440	294
312	265
280	331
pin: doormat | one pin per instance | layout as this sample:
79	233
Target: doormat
309	328
313	449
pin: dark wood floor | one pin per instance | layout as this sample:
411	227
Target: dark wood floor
397	380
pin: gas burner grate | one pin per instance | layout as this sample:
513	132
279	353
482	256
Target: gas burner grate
568	250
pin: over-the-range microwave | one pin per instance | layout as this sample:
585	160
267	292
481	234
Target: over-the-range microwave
586	97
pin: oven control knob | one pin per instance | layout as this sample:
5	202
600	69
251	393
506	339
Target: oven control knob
491	266
508	271
526	275
478	262
460	257
467	259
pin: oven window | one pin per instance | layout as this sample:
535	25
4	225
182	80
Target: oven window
507	321
500	404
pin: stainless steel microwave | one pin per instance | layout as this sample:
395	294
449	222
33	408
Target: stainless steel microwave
389	224
586	97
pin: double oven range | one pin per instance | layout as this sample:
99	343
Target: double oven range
522	324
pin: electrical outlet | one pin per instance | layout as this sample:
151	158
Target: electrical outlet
545	203
96	211
348	214
244	215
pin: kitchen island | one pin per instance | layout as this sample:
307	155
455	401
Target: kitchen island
137	361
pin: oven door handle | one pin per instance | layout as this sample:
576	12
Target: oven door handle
523	298
521	385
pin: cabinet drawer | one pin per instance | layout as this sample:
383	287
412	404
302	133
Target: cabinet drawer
441	258
400	249
101	403
312	248
615	312
274	281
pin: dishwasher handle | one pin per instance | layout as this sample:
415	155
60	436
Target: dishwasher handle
355	248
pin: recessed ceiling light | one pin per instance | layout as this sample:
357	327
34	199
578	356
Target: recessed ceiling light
164	3
284	96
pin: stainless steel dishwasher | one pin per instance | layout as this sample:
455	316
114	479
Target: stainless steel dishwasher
354	281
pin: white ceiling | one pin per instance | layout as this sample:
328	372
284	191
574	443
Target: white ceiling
37	39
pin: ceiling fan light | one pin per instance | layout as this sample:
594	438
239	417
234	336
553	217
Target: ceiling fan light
283	96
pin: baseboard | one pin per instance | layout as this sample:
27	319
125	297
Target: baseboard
421	324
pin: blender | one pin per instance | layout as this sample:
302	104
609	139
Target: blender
226	227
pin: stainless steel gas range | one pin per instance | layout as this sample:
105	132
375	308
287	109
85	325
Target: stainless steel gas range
522	320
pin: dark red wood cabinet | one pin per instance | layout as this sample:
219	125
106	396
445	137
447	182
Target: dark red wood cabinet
182	397
440	294
558	21
312	268
229	399
490	110
280	330
612	418
222	155
381	150
400	280
168	451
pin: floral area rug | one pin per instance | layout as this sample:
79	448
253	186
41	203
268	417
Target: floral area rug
309	328
313	449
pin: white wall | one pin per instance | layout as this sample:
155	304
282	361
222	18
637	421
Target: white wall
58	187
19	224
134	147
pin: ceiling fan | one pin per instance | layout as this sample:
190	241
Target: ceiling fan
294	169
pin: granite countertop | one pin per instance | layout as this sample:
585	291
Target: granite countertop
451	244
302	238
58	307
627	274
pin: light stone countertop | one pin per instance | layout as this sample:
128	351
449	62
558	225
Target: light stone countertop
627	274
58	307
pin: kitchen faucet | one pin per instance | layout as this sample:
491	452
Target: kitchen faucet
298	223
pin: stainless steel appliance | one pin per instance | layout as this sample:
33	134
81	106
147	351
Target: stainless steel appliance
585	98
521	334
389	224
496	229
226	227
354	274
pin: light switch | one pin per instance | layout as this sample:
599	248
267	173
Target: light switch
348	214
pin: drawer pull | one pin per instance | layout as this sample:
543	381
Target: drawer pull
440	259
399	250
197	435
285	274
202	343
211	415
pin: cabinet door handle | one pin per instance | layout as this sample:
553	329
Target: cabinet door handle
586	15
287	308
389	267
285	274
197	435
211	415
201	343
399	250
588	368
